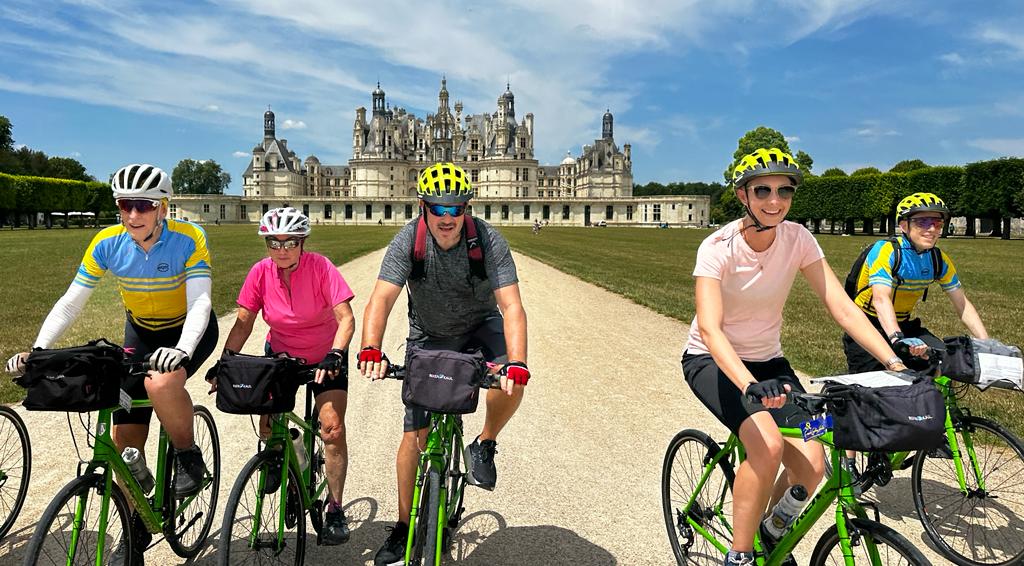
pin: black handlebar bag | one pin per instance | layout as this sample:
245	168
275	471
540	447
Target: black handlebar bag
888	419
256	385
79	379
443	381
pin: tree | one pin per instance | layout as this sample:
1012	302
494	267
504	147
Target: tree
759	137
834	172
66	168
908	165
805	161
199	178
6	137
866	171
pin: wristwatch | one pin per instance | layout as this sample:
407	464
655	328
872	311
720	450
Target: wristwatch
896	337
893	361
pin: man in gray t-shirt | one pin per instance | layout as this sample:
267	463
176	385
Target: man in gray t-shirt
453	305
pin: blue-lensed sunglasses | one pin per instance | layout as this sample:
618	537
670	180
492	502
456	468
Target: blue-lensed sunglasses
441	210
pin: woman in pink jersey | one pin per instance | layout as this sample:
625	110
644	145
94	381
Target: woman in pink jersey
306	303
744	273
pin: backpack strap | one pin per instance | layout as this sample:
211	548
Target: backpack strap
474	248
936	255
894	261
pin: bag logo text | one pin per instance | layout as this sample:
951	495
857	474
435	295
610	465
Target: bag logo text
440	376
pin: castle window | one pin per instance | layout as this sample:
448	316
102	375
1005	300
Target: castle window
305	210
174	210
629	212
526	212
474	175
206	209
656	214
609	212
408	211
348	212
327	211
565	212
487	212
387	211
504	212
526	174
223	212
369	211
241	212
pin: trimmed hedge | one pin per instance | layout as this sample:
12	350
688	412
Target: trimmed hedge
24	194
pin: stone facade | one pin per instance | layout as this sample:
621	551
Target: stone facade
391	146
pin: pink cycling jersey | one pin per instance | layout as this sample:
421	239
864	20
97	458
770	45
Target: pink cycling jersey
301	318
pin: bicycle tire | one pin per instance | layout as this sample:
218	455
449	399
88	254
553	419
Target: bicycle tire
317	461
181	533
233	549
46	549
15	464
677	485
901	553
456	480
420	526
430	548
980	527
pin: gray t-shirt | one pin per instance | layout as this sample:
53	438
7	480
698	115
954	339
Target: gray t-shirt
448	300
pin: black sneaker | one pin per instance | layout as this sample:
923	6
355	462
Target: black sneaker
393	551
336	528
142	540
768	543
189	472
480	461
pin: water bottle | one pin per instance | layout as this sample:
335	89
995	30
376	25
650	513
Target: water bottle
785	511
137	465
300	449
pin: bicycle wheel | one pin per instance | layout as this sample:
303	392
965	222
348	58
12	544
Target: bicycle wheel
892	548
456	482
69	530
15	467
420	527
684	468
193	516
430	549
974	526
316	475
255	528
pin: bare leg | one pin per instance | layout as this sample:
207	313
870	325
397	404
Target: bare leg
332	406
755	477
500	408
408	458
173	405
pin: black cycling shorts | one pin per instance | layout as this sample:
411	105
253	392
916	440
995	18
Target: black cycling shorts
338	383
489	337
721	396
858	359
145	343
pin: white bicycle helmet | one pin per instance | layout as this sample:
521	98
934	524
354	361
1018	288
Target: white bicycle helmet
141	181
284	222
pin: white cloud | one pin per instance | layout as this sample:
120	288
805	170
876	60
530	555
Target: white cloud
936	116
873	129
75	154
792	139
952	58
211	108
643	137
290	124
241	154
1000	36
18	146
1000	146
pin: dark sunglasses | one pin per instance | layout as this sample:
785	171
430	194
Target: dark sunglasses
927	223
289	244
441	210
764	191
141	205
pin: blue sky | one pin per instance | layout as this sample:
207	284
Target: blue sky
851	82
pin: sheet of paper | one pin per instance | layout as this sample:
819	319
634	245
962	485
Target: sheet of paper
996	368
867	379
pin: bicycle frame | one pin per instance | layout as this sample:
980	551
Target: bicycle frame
445	436
836	492
280	439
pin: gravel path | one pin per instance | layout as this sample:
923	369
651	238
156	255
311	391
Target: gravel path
579	466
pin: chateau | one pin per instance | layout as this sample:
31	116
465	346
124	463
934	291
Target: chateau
391	146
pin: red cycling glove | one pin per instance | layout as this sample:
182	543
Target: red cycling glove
372	354
517	372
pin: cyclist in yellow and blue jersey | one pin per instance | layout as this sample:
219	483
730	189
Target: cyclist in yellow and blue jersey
889	298
162	268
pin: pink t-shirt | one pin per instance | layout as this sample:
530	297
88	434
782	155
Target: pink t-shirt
755	286
301	321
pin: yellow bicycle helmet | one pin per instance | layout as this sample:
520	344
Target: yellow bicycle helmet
921	202
444	183
764	162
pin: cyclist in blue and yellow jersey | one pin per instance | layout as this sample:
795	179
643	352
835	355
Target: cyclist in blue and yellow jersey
895	276
463	294
162	268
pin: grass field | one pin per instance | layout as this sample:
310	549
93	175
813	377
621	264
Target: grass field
653	268
36	267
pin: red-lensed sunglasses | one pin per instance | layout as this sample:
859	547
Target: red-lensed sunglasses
141	205
927	223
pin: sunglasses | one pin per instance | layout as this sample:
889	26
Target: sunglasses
141	205
764	191
441	210
927	223
289	244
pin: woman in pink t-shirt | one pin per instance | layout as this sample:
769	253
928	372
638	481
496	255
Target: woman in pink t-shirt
306	303
744	273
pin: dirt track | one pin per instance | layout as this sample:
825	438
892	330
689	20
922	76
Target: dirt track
578	467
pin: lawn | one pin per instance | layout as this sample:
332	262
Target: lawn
653	268
36	267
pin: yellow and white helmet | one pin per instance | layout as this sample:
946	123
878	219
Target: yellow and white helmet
763	162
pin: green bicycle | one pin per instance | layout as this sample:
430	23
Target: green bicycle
440	484
968	495
15	467
90	516
264	520
696	489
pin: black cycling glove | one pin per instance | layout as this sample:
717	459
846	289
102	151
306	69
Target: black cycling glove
768	388
334	361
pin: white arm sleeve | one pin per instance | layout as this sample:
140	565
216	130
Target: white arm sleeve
197	293
63	313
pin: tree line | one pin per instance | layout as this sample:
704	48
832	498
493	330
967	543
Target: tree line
27	161
22	197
